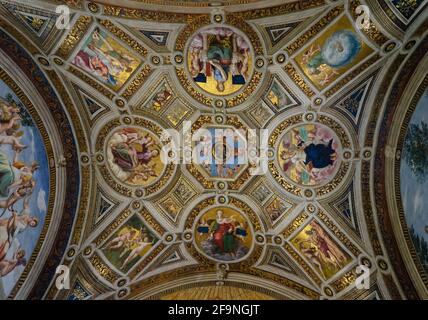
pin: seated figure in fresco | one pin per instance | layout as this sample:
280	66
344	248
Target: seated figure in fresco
222	232
132	151
219	53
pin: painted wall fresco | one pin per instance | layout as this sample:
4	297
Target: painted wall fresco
322	252
106	60
220	60
414	179
308	154
332	54
134	156
223	234
131	242
24	188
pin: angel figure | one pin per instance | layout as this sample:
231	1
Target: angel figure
142	244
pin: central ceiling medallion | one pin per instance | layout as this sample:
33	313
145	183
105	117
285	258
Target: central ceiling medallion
219	60
220	153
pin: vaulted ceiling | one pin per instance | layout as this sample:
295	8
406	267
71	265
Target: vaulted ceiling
93	86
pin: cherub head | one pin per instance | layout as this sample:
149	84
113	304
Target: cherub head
33	222
220	86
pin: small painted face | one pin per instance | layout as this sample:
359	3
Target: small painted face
20	254
33	222
220	86
155	153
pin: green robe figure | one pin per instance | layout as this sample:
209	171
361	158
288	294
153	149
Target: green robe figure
7	175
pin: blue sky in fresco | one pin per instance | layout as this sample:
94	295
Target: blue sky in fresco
38	203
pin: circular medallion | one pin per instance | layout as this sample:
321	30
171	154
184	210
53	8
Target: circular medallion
309	154
219	60
134	156
224	234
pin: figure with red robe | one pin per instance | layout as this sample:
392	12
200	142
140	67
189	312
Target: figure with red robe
222	231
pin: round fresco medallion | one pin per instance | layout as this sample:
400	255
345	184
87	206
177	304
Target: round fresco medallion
223	234
134	156
308	154
219	60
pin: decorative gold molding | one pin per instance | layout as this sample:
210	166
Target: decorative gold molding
309	271
197	95
293	226
314	29
147	15
298	80
150	220
352	75
91	82
345	281
137	82
372	32
122	35
102	269
247	92
281	9
75	35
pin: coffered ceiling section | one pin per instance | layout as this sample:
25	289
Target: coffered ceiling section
208	149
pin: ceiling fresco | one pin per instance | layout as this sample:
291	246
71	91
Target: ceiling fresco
237	149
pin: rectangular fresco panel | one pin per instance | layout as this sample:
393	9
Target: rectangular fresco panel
322	252
106	60
331	55
24	188
131	242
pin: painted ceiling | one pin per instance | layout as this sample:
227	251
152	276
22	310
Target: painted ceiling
325	184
